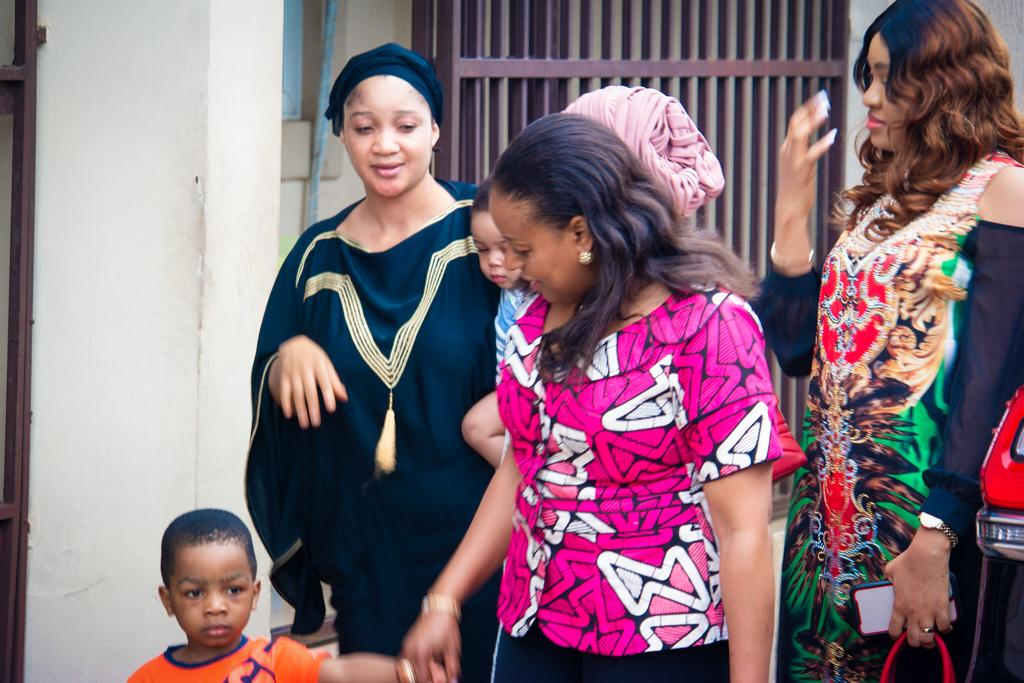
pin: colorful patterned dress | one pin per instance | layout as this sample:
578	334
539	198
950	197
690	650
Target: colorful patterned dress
890	318
612	551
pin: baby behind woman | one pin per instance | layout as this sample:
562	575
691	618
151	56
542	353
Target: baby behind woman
482	427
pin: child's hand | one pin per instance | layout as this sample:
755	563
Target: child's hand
302	367
359	667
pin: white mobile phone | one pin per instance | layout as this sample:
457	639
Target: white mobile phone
872	603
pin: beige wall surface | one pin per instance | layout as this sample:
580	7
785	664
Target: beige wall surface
156	231
1008	18
361	26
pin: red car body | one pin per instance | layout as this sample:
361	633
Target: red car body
999	643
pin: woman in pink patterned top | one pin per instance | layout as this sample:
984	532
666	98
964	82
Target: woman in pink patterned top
640	411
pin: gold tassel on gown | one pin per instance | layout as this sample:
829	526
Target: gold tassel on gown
389	368
385	455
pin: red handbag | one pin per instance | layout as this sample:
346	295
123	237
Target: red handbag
889	670
793	457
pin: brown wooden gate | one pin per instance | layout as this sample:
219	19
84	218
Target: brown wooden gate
17	100
738	66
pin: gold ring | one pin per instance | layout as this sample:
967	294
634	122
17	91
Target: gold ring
405	671
926	629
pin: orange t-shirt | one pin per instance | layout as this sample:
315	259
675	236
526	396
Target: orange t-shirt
255	661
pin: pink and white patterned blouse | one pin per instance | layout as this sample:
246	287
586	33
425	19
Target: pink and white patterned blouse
612	550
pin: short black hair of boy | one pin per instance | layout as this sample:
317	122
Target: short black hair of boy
198	527
482	200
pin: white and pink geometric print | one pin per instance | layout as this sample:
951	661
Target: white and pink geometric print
612	551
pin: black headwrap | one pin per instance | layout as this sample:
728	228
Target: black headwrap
389	59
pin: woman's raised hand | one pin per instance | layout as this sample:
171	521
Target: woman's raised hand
300	375
798	177
798	157
433	647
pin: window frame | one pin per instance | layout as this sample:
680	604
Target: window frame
291	80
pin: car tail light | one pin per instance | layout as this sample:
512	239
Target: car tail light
998	531
1002	474
1001	534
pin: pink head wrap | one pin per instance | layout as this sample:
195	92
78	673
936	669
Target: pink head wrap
659	131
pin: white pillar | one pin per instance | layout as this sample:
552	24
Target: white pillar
156	236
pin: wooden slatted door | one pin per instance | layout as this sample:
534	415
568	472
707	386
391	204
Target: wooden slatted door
738	66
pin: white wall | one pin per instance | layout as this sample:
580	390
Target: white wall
156	230
242	210
361	26
1008	18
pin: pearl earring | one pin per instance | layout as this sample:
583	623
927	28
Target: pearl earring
586	257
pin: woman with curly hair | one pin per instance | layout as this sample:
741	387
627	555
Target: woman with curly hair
911	333
631	510
358	475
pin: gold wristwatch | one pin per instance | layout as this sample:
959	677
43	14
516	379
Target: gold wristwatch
933	522
438	603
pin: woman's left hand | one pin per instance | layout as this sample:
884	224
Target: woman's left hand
920	580
433	647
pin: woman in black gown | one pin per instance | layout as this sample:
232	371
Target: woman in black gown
377	339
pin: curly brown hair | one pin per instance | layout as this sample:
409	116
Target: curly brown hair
949	71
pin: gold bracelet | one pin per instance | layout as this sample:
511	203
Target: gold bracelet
774	255
437	603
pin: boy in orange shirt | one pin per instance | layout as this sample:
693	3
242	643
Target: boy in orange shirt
208	567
